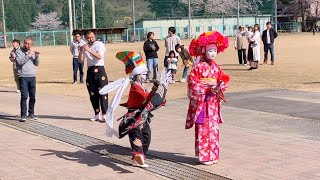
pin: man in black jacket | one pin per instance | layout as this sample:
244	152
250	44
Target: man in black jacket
268	37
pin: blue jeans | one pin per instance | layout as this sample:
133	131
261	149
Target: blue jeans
152	64
268	47
76	66
27	88
185	72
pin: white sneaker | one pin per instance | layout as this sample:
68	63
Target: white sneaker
135	164
183	80
138	161
95	118
103	118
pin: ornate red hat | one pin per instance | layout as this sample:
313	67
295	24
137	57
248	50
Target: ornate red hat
206	38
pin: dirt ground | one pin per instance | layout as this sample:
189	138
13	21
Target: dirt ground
296	67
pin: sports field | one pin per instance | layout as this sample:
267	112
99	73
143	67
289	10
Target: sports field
296	67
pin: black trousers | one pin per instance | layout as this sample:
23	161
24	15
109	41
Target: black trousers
96	80
140	139
242	56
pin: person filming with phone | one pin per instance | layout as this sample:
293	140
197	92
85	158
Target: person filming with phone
27	60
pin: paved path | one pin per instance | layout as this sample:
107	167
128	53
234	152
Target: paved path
256	143
27	157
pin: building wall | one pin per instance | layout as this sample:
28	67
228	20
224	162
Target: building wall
227	26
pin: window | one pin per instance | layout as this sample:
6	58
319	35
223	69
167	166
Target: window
197	29
185	29
209	28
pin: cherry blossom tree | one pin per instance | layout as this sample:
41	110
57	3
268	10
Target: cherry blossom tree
47	22
224	7
304	9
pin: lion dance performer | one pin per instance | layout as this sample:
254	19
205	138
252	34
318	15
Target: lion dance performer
205	86
140	103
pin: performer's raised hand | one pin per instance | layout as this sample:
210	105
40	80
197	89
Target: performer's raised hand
155	85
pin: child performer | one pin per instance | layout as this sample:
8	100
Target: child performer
205	86
138	101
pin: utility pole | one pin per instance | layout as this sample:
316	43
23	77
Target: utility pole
316	20
82	6
4	27
70	19
276	15
134	20
189	21
93	14
238	18
74	15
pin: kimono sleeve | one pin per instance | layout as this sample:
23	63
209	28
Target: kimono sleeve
224	79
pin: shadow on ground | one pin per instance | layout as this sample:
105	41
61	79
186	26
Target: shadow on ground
235	69
87	158
6	91
62	117
53	82
312	83
104	151
10	117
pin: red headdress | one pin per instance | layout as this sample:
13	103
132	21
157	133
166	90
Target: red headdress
206	38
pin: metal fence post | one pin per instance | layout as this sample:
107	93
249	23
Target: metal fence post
67	38
54	38
40	37
160	32
127	35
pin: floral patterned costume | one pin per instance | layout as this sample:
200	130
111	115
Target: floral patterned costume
205	104
205	107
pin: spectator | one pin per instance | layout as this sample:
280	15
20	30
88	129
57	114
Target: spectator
150	48
74	49
27	60
12	57
268	37
186	59
241	44
170	43
255	45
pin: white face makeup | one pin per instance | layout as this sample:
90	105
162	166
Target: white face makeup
142	77
211	51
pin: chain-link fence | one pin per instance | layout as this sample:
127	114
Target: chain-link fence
56	38
41	38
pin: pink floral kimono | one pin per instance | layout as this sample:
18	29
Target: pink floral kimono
205	109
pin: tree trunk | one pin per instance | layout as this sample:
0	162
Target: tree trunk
303	22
